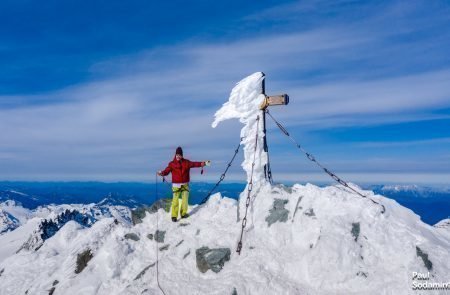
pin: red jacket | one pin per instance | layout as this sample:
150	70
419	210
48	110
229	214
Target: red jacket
180	170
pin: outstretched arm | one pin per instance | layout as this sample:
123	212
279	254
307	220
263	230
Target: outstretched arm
165	171
196	164
199	164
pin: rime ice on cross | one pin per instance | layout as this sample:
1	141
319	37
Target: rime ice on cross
245	103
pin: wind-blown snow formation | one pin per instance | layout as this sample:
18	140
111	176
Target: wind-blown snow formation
302	240
244	102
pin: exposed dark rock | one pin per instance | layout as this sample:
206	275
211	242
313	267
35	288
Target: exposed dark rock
445	223
361	274
234	291
143	271
139	213
150	236
183	224
164	248
297	207
55	282
356	229
132	236
187	254
179	243
1	271
213	259
278	212
198	232
287	189
424	257
161	203
82	260
160	235
310	212
34	242
8	221
49	227
50	292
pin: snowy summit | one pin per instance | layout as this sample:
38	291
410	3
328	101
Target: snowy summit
298	240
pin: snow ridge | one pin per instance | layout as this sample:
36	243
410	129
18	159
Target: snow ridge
301	240
7	222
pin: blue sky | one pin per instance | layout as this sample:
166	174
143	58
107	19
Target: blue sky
106	90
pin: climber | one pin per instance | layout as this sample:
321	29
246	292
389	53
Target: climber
179	167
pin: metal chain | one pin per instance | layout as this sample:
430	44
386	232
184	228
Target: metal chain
222	177
313	159
267	169
249	190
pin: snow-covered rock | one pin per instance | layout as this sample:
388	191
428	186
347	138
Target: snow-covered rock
443	227
12	215
7	222
319	253
299	240
445	223
28	229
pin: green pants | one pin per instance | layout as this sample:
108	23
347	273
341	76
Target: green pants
178	192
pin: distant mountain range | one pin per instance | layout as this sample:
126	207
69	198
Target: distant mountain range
34	194
431	203
413	191
23	228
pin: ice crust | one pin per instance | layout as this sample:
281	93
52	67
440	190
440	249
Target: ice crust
243	104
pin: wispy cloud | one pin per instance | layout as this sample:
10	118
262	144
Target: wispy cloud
127	120
408	143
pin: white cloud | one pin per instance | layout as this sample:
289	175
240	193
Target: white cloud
127	123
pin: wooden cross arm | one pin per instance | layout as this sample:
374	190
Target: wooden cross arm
282	99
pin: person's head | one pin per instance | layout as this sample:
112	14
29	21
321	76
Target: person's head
179	153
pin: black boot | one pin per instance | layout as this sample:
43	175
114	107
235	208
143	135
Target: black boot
185	215
174	219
